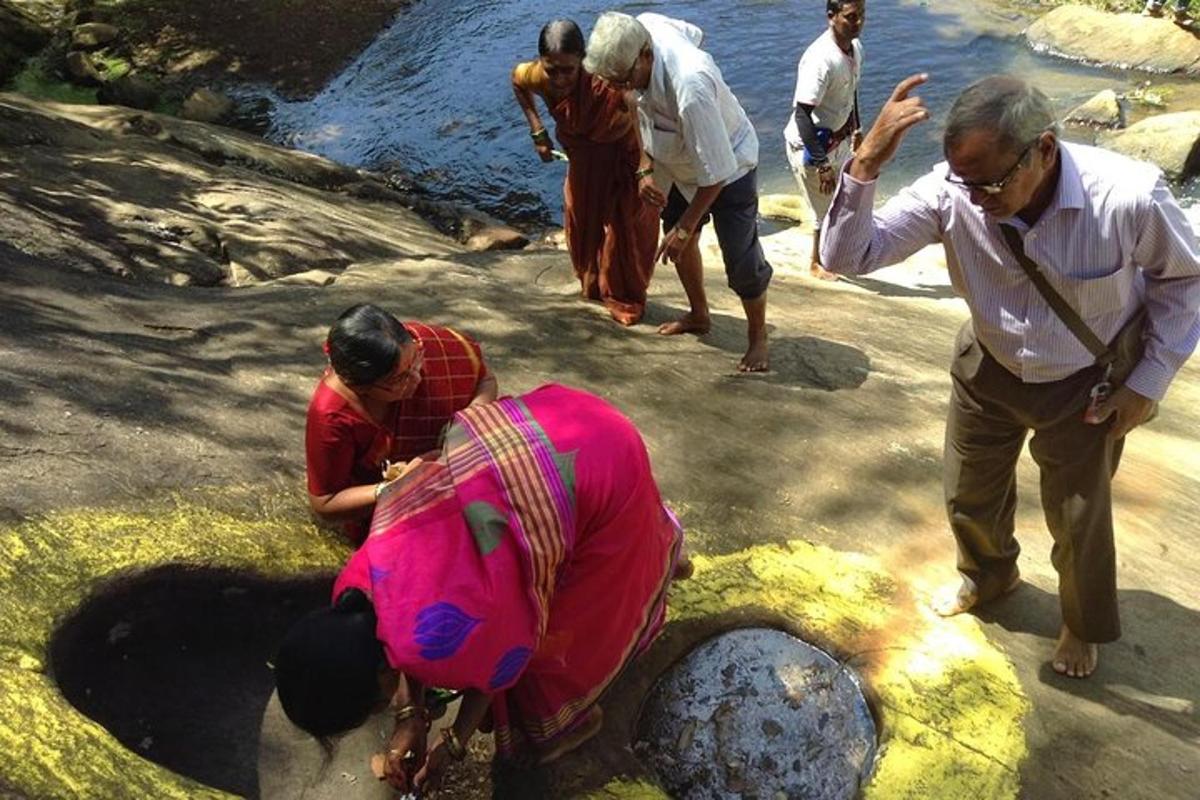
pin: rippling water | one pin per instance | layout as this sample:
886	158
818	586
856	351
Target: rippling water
432	95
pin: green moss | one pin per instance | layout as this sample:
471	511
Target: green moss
950	704
49	566
111	66
621	789
35	81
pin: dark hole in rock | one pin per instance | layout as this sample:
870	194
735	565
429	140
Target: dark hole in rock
174	663
758	713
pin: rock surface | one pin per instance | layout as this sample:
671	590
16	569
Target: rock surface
1103	110
130	90
91	35
233	211
21	35
787	207
82	70
205	105
1172	141
1126	40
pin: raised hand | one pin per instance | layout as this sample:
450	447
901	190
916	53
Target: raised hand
901	111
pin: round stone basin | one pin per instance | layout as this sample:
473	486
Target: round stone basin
756	713
174	663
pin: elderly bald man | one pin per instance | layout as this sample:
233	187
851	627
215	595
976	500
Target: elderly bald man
1072	260
700	158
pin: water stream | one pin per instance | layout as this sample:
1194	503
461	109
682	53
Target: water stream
431	95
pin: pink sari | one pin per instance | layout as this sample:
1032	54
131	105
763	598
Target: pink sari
531	561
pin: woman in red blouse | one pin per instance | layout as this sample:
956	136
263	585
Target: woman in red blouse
389	391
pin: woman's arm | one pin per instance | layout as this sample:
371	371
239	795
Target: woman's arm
486	391
524	95
350	503
471	711
409	736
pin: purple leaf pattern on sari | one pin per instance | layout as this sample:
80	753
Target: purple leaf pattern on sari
441	630
378	574
509	667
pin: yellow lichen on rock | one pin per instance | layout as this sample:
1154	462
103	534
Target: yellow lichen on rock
628	790
949	702
50	566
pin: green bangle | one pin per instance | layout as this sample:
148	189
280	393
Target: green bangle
540	135
641	173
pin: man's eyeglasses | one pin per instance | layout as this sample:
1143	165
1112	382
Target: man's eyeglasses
994	187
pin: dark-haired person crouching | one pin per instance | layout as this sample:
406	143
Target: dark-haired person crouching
525	566
389	391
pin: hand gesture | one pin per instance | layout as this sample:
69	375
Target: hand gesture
672	245
429	778
827	180
650	193
901	111
1127	408
406	750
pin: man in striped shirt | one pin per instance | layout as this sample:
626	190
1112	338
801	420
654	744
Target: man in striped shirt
1110	238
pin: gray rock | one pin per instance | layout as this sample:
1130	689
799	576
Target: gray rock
129	90
91	35
480	232
205	105
1102	111
81	69
1172	141
1128	40
20	37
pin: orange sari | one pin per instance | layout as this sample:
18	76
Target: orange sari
611	233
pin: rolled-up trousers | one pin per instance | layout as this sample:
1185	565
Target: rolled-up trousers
991	411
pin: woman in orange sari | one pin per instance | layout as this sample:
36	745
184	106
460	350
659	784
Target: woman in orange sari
611	233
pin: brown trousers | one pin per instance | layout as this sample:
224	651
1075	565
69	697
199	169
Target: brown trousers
991	410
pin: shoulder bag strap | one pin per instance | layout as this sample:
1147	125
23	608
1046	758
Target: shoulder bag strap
1061	307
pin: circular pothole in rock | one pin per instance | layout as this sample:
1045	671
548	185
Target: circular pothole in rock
756	713
174	663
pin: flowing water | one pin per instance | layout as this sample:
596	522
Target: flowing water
431	95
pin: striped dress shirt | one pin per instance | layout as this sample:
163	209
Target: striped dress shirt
1111	239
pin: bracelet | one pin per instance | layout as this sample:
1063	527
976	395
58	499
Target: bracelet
641	173
540	135
405	713
453	745
379	487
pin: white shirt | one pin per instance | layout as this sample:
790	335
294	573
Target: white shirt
826	78
1112	238
692	125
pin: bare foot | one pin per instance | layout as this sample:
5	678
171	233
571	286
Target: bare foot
821	273
1074	657
570	741
755	359
953	600
688	323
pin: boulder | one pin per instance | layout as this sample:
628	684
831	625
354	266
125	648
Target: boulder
787	207
20	37
129	90
81	69
491	235
1102	111
1124	40
205	105
91	35
1172	141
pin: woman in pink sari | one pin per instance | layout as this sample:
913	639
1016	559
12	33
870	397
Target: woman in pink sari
527	566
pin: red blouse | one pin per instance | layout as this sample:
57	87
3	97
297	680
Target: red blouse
345	449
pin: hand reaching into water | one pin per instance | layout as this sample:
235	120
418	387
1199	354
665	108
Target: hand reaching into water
901	111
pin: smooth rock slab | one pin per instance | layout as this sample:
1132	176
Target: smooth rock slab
758	713
1126	40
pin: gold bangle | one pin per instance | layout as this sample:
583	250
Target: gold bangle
454	746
